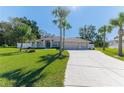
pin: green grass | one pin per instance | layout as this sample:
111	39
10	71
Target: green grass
111	52
43	68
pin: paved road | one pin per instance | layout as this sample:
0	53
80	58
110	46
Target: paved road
93	68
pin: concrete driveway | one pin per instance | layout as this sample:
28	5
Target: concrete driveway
93	68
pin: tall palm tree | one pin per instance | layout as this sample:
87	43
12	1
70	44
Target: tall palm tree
103	30
119	22
60	14
66	26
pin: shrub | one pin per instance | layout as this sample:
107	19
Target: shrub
4	45
31	51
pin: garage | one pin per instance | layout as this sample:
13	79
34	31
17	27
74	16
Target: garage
76	44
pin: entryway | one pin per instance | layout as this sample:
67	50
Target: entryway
47	43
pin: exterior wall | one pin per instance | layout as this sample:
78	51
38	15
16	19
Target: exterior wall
55	44
31	45
51	44
40	44
25	45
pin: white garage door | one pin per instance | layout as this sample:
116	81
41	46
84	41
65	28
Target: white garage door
75	46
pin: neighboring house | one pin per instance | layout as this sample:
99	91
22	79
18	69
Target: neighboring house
53	42
114	43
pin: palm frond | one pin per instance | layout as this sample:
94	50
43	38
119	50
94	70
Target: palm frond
101	30
114	22
109	28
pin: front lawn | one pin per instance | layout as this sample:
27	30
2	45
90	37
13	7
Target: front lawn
43	68
111	52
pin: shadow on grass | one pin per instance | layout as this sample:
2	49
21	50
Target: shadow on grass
30	77
23	79
48	59
9	54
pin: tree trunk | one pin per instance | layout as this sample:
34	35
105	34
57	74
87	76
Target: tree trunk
60	46
63	39
104	40
120	44
21	46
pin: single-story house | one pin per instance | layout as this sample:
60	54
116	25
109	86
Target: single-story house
54	42
114	43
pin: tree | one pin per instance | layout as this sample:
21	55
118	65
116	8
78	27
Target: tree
23	32
103	30
66	26
87	32
98	40
31	23
119	22
1	37
6	33
60	15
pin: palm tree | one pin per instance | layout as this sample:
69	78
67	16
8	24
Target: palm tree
66	26
103	30
23	32
60	15
119	22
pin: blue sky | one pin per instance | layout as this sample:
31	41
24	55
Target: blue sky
78	17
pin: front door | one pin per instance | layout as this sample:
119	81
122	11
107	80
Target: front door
47	44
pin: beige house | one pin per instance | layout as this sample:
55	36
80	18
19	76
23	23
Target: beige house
54	42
